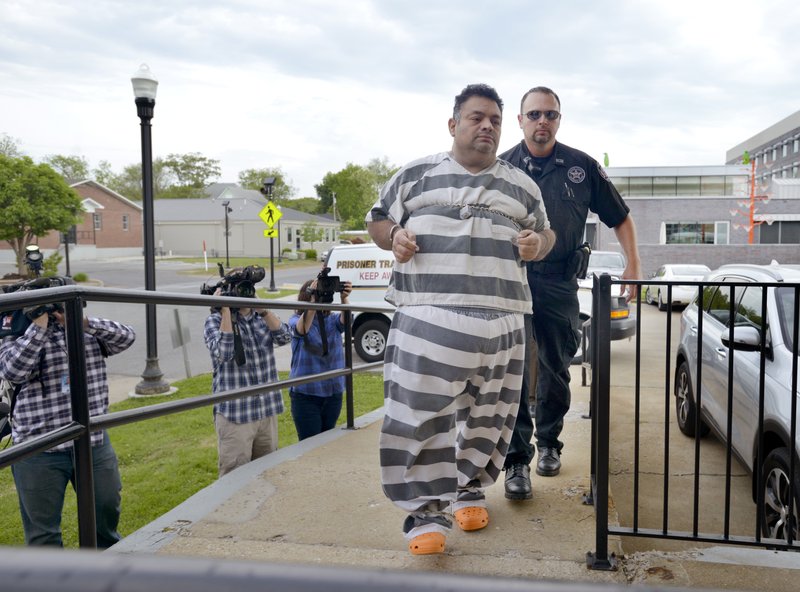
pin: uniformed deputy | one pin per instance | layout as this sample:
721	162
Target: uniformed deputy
572	183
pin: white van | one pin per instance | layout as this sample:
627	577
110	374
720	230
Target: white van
369	268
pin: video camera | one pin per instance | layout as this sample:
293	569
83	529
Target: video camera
239	282
327	285
15	322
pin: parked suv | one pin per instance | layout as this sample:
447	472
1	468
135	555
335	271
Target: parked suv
742	350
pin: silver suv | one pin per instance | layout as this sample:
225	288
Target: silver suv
742	350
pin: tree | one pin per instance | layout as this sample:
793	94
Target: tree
193	172
72	168
312	233
128	183
10	146
282	191
35	200
356	188
309	205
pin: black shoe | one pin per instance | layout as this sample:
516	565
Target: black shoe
549	462
518	482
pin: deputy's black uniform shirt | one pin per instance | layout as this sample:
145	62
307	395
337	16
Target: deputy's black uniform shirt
572	183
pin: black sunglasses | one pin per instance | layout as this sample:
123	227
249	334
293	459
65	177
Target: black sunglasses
536	114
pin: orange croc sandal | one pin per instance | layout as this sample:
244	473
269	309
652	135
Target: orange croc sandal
472	518
428	543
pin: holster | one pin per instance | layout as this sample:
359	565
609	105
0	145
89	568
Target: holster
578	262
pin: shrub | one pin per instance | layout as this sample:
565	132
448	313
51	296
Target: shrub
50	264
80	277
311	254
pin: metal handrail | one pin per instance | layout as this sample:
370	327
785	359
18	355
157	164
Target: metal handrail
72	298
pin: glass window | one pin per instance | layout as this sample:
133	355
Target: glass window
774	154
622	185
736	185
748	312
641	186
769	234
719	305
98	222
794	172
664	186
289	234
796	145
688	185
690	233
125	222
722	231
712	185
790	232
784	297
785	149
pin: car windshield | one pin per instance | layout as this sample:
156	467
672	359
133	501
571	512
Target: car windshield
785	300
610	260
690	269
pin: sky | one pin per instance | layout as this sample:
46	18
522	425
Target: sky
312	85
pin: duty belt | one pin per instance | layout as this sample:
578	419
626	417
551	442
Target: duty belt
548	267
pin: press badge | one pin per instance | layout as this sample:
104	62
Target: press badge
65	384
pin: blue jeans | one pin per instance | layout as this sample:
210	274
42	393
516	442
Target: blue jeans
313	415
556	327
41	482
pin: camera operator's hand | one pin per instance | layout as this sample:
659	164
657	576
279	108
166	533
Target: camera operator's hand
225	325
347	287
312	292
42	320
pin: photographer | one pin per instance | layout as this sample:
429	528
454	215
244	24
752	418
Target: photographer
37	362
241	343
317	347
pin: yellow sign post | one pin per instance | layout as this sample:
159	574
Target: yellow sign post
270	214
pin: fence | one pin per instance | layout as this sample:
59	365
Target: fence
78	430
671	469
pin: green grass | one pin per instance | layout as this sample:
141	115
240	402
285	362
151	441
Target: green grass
244	261
166	460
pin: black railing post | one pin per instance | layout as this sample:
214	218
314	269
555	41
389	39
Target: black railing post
79	396
601	366
348	363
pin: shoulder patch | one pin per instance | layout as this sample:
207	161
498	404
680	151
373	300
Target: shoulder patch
602	172
576	174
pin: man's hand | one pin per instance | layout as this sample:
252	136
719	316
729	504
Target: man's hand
533	246
404	245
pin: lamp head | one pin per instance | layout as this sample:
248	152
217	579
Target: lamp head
268	183
144	83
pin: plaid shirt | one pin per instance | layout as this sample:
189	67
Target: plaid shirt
259	367
38	361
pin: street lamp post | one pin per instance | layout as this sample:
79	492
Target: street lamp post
144	89
269	183
226	204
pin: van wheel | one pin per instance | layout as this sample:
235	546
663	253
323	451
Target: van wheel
370	340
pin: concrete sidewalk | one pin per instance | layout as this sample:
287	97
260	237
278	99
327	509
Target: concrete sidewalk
320	502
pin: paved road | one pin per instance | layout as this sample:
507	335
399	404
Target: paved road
171	276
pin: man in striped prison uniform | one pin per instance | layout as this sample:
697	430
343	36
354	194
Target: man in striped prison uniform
461	224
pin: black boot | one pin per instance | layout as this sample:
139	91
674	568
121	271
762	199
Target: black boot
518	482
549	463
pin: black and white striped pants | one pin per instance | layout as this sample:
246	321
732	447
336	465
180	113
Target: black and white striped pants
452	380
